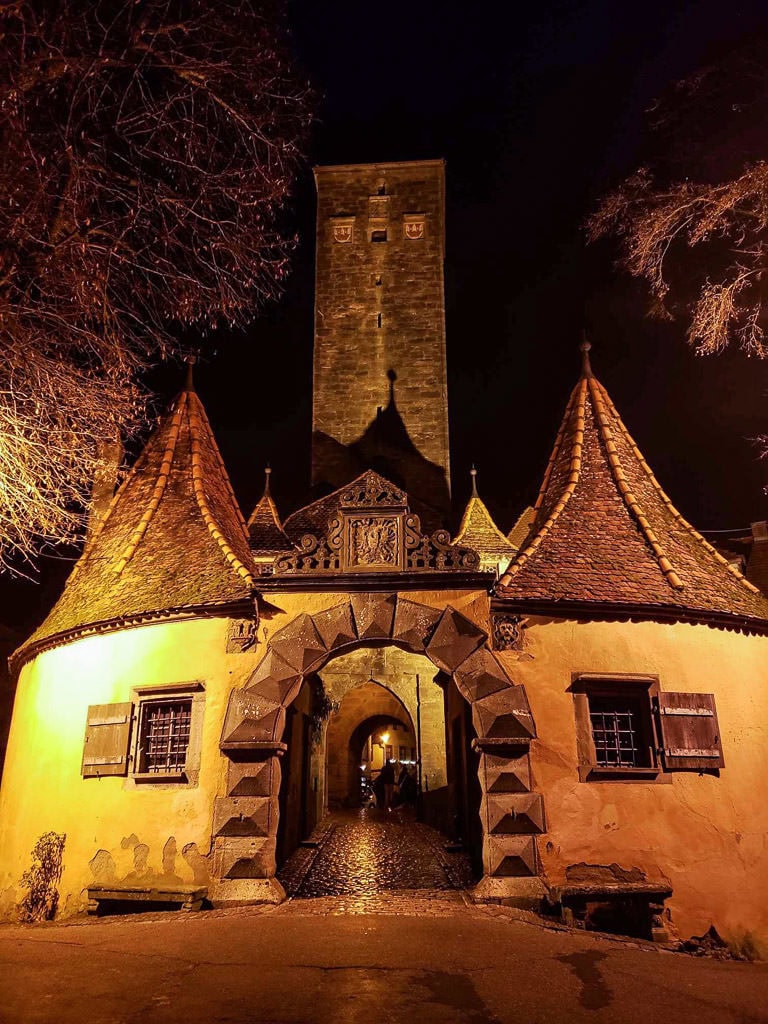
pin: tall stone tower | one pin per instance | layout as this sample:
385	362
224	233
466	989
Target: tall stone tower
380	387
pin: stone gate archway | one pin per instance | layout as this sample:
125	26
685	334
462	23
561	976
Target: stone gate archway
246	818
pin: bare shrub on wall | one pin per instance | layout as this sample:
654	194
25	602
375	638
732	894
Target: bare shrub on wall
42	879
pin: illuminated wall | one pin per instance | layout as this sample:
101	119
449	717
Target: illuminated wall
706	834
110	822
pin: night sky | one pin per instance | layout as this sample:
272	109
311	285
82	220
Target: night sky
538	109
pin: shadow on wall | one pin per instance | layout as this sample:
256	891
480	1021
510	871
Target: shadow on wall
386	447
143	872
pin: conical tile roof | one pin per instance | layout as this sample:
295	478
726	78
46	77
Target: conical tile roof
479	532
522	527
265	531
172	538
605	533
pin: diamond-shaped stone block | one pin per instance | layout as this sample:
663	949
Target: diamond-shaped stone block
245	816
510	856
251	719
244	858
504	715
336	626
455	638
480	675
415	624
514	813
274	680
300	644
374	615
506	774
254	778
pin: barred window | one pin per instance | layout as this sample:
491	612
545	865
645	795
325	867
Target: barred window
620	731
164	736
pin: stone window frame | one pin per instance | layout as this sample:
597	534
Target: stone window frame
598	684
145	696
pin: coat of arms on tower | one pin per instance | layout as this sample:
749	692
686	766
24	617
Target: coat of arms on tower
343	229
414	225
373	542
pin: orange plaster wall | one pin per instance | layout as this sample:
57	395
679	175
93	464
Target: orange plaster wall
708	835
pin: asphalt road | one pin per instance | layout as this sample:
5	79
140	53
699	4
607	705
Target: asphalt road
424	957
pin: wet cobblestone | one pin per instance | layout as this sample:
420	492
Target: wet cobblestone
369	854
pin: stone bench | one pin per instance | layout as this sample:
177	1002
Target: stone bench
644	902
189	896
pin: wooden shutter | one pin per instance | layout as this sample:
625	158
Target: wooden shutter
690	735
107	735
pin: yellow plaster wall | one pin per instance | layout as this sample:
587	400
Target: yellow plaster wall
43	789
708	835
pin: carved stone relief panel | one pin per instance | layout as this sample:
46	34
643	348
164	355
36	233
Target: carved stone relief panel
414	226
373	542
241	636
343	229
507	632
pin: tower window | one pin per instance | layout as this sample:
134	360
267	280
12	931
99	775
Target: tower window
379	235
378	281
378	319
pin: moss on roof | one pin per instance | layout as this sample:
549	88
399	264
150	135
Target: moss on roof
173	536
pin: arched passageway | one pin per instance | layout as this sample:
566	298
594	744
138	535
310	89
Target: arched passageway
265	719
381	703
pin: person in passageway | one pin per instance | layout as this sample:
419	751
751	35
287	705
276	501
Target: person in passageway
406	787
387	777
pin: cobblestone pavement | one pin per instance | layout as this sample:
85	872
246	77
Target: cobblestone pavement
369	854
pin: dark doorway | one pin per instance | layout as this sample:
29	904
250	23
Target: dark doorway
463	778
298	789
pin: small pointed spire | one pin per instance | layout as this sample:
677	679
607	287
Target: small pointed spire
584	348
267	475
473	474
189	383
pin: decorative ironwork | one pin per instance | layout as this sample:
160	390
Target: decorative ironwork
507	632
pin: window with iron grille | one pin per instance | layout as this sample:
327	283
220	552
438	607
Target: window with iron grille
164	736
620	731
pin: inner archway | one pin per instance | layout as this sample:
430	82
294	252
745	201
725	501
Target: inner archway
370	726
382	704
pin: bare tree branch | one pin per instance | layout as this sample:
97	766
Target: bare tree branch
147	151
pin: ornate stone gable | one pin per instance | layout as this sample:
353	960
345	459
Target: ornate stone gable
373	531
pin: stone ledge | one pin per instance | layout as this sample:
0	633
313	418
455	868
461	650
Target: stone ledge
246	892
523	893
